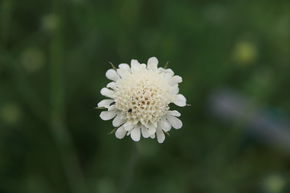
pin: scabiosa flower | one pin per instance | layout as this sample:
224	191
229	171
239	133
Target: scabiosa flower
139	97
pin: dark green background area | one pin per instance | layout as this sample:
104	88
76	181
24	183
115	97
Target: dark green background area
53	59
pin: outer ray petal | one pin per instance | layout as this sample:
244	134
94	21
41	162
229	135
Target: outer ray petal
123	70
175	80
160	136
151	128
175	90
112	75
107	115
105	103
175	122
128	126
120	133
180	100
136	134
135	65
107	92
111	85
143	66
118	120
145	132
112	108
152	63
168	72
174	113
164	125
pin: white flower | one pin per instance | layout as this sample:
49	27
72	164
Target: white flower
139	97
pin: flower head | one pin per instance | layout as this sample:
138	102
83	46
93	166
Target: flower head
138	100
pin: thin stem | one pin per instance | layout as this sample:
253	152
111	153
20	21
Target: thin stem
130	170
59	130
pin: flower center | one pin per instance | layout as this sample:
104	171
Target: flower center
143	97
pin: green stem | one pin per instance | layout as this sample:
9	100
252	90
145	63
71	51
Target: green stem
130	170
59	130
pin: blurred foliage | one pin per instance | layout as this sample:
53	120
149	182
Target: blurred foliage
53	57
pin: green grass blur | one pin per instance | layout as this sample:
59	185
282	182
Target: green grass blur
53	59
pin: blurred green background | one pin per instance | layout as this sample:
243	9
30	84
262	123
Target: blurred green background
53	59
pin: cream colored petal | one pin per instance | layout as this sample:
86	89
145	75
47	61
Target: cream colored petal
120	133
107	115
160	136
175	90
152	63
151	128
175	80
180	100
105	103
119	120
112	108
174	113
167	72
107	92
143	66
123	70
135	65
164	125
128	126
175	122
111	85
136	134
145	132
112	75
